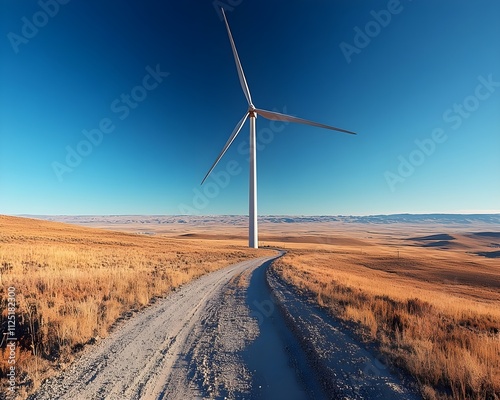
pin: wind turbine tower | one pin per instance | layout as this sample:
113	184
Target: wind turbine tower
251	113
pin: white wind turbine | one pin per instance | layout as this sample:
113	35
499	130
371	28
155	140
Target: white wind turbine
252	114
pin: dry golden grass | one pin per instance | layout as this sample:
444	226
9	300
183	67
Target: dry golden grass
433	312
74	283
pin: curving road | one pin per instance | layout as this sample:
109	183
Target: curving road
222	336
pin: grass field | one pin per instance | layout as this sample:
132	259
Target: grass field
72	284
428	300
432	310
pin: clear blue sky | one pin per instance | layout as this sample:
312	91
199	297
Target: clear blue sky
429	75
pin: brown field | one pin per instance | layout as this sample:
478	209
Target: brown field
72	284
426	296
428	303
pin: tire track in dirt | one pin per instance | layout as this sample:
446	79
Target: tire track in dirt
345	367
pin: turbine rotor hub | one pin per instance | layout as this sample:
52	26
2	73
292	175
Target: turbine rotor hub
251	111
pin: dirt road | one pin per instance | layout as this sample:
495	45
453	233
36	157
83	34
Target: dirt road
222	336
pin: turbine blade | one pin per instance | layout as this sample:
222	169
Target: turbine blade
241	75
228	143
283	117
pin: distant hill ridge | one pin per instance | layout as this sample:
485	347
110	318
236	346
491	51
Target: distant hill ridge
462	219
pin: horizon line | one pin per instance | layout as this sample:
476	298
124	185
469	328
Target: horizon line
470	212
